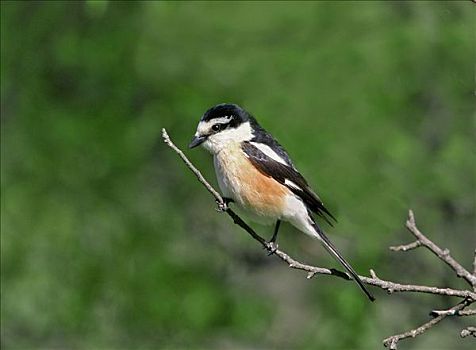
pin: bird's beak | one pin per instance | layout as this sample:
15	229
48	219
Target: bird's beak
196	141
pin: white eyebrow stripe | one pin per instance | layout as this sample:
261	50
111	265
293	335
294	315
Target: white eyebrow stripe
221	120
291	184
203	128
269	152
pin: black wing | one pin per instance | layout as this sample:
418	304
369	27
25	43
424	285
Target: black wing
282	172
262	136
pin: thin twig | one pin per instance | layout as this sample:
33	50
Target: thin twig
189	164
391	342
405	247
443	254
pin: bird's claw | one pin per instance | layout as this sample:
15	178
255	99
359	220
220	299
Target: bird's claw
272	247
223	205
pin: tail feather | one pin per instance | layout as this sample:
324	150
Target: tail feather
335	253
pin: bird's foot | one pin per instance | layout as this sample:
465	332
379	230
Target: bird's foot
272	247
223	206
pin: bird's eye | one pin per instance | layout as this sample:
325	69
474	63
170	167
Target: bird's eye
216	127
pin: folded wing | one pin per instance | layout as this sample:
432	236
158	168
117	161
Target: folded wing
285	173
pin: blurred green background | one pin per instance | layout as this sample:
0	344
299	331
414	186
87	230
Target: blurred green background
109	242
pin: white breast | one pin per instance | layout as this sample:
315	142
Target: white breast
222	181
229	163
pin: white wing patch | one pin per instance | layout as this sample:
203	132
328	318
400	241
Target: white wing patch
269	152
291	184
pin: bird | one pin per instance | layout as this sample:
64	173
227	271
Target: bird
255	172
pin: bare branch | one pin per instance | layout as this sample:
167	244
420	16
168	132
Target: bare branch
391	287
443	254
391	342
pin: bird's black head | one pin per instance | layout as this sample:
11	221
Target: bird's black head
221	119
234	113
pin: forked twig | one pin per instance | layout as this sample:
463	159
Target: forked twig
443	254
391	342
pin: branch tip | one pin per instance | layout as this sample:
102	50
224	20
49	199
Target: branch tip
406	247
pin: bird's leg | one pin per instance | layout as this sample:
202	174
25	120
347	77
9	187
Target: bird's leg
275	233
224	206
272	243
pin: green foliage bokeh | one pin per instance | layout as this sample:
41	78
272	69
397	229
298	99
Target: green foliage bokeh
109	242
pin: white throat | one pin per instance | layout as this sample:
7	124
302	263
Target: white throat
216	142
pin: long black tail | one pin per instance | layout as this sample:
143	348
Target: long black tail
335	253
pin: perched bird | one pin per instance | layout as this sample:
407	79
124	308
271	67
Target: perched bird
255	172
